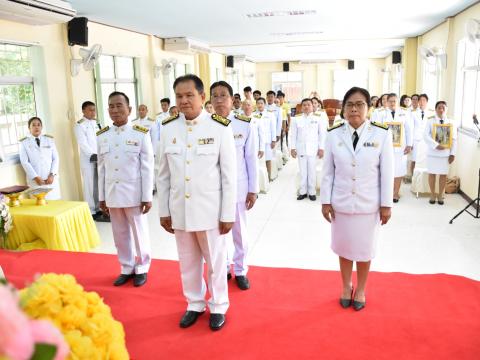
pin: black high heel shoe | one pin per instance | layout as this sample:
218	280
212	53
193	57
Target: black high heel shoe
346	303
358	305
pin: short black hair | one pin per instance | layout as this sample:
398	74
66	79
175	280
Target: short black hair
34	118
247	89
307	99
270	92
165	100
257	92
261	99
87	104
440	102
411	97
424	96
119	93
190	77
208	102
237	95
221	83
352	91
280	94
391	95
402	99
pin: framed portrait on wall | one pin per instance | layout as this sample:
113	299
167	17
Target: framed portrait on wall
397	132
442	134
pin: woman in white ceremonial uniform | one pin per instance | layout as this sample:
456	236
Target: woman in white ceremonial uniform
356	190
39	159
441	138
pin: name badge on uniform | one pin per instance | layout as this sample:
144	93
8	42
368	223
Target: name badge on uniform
132	142
370	144
206	141
238	136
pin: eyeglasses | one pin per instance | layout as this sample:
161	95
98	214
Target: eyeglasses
360	105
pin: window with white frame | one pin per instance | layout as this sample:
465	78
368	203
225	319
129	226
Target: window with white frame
467	90
115	73
233	79
290	83
430	78
17	97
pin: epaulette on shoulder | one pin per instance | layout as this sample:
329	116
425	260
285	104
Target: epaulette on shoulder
431	117
403	108
140	128
101	131
151	119
170	119
380	125
48	135
22	139
80	121
221	120
242	117
336	126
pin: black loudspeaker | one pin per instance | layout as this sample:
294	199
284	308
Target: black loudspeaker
351	64
286	66
229	61
396	57
78	31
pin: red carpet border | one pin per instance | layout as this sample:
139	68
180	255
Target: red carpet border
287	314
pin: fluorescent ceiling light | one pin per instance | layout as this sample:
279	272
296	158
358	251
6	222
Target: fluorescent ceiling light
281	13
297	33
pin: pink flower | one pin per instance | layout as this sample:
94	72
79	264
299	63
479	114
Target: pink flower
45	332
16	340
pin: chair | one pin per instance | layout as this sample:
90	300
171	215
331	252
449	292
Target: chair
332	108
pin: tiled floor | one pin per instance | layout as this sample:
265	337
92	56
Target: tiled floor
285	232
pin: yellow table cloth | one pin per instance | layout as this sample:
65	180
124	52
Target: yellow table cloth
59	225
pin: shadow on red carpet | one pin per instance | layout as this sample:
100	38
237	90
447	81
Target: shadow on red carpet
287	313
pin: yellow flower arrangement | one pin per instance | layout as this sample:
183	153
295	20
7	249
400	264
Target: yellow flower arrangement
84	319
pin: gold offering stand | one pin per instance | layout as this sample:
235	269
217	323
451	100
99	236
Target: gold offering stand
39	194
13	193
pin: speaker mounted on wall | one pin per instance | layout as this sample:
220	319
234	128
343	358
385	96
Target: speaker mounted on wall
230	62
286	66
78	31
396	57
351	65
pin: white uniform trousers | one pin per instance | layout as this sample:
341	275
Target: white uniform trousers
132	240
193	248
240	241
90	185
308	174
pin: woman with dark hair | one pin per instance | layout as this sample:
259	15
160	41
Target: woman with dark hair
381	108
373	106
209	107
356	190
405	101
441	138
39	159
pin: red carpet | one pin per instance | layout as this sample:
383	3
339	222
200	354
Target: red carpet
287	314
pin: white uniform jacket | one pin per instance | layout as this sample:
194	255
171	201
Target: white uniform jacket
403	117
197	177
276	111
148	123
358	181
85	131
419	123
246	142
306	134
377	114
256	123
267	123
40	161
125	166
431	141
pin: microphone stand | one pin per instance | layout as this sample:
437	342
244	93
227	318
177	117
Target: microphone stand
477	200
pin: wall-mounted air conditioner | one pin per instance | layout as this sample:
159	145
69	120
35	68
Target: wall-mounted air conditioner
182	44
36	12
317	61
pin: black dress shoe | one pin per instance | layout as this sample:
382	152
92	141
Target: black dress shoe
140	279
395	200
242	282
312	197
229	276
217	321
440	202
431	201
189	318
358	305
122	279
301	197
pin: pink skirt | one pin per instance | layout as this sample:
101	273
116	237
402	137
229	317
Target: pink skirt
354	236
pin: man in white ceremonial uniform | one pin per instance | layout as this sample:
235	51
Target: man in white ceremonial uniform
196	185
257	124
246	140
125	183
85	130
307	141
277	113
419	119
268	124
237	106
400	122
145	121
